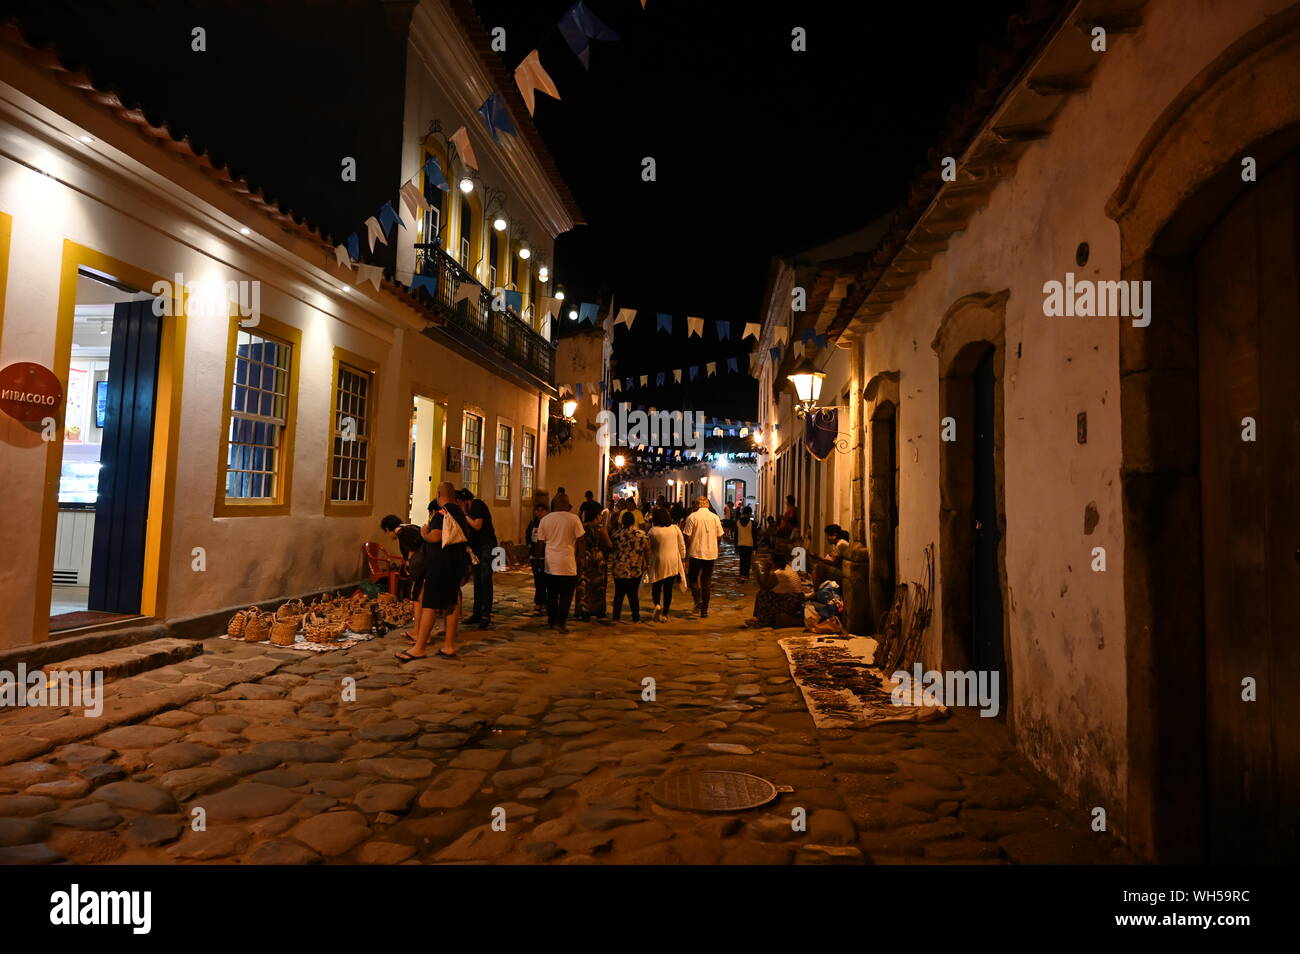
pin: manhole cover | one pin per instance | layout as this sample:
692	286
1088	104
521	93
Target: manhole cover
713	791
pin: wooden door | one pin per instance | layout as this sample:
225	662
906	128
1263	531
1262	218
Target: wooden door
1249	364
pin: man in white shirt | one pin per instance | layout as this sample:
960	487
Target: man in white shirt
703	530
558	533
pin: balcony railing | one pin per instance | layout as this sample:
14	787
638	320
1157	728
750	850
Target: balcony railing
505	332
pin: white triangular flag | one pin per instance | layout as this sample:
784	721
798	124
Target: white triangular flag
677	375
341	256
374	230
782	334
465	291
644	378
711	367
797	348
369	273
414	199
625	317
752	330
460	139
618	385
694	326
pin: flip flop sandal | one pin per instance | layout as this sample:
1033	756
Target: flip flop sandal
439	652
405	658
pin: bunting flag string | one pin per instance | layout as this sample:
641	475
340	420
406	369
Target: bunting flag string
781	335
341	257
723	329
531	77
752	330
695	326
665	322
497	118
369	273
460	139
579	26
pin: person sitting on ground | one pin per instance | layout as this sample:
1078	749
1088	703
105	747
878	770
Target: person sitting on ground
831	566
780	597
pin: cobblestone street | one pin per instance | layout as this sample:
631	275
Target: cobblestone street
552	729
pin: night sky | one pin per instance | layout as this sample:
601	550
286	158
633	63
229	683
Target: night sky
759	150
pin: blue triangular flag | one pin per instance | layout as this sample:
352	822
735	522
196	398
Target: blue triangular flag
659	379
433	174
577	26
809	334
819	341
354	247
695	369
731	364
627	384
496	116
724	330
774	352
664	322
428	282
515	301
578	388
587	312
387	216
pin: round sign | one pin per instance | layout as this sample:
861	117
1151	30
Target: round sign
30	392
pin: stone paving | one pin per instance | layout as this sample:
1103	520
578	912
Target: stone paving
549	732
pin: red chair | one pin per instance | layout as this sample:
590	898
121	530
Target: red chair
382	565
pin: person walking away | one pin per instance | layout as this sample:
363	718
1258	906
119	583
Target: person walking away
631	561
831	566
678	512
593	570
780	594
559	533
411	544
746	540
447	564
703	530
667	555
589	509
536	560
483	541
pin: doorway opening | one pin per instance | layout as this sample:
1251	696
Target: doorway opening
883	514
427	443
972	517
107	445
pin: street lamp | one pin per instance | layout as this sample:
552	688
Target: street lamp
619	461
807	381
570	407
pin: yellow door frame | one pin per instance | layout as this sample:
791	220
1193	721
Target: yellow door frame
166	437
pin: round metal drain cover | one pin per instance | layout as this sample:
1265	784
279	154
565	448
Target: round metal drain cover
713	791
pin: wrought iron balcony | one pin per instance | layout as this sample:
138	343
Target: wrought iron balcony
472	319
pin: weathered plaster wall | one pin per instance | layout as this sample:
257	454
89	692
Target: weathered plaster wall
578	466
1066	621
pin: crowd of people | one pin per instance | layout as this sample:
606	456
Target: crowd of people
574	555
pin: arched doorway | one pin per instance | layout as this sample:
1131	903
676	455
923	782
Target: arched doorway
881	395
972	513
1210	526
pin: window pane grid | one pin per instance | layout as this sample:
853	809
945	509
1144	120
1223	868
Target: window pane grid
350	466
526	463
473	455
259	401
505	456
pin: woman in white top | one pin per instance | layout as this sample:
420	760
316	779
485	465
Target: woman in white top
746	540
667	556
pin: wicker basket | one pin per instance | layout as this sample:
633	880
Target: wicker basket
257	626
235	628
361	620
294	609
320	630
386	598
284	631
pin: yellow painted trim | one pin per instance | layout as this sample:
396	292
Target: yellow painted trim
283	503
334	508
166	437
6	229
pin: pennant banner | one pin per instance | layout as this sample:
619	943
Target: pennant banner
433	172
413	199
497	118
428	282
530	77
752	330
695	326
782	334
587	311
665	322
374	231
579	26
369	273
460	139
724	330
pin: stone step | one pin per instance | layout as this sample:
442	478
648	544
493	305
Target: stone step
131	660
